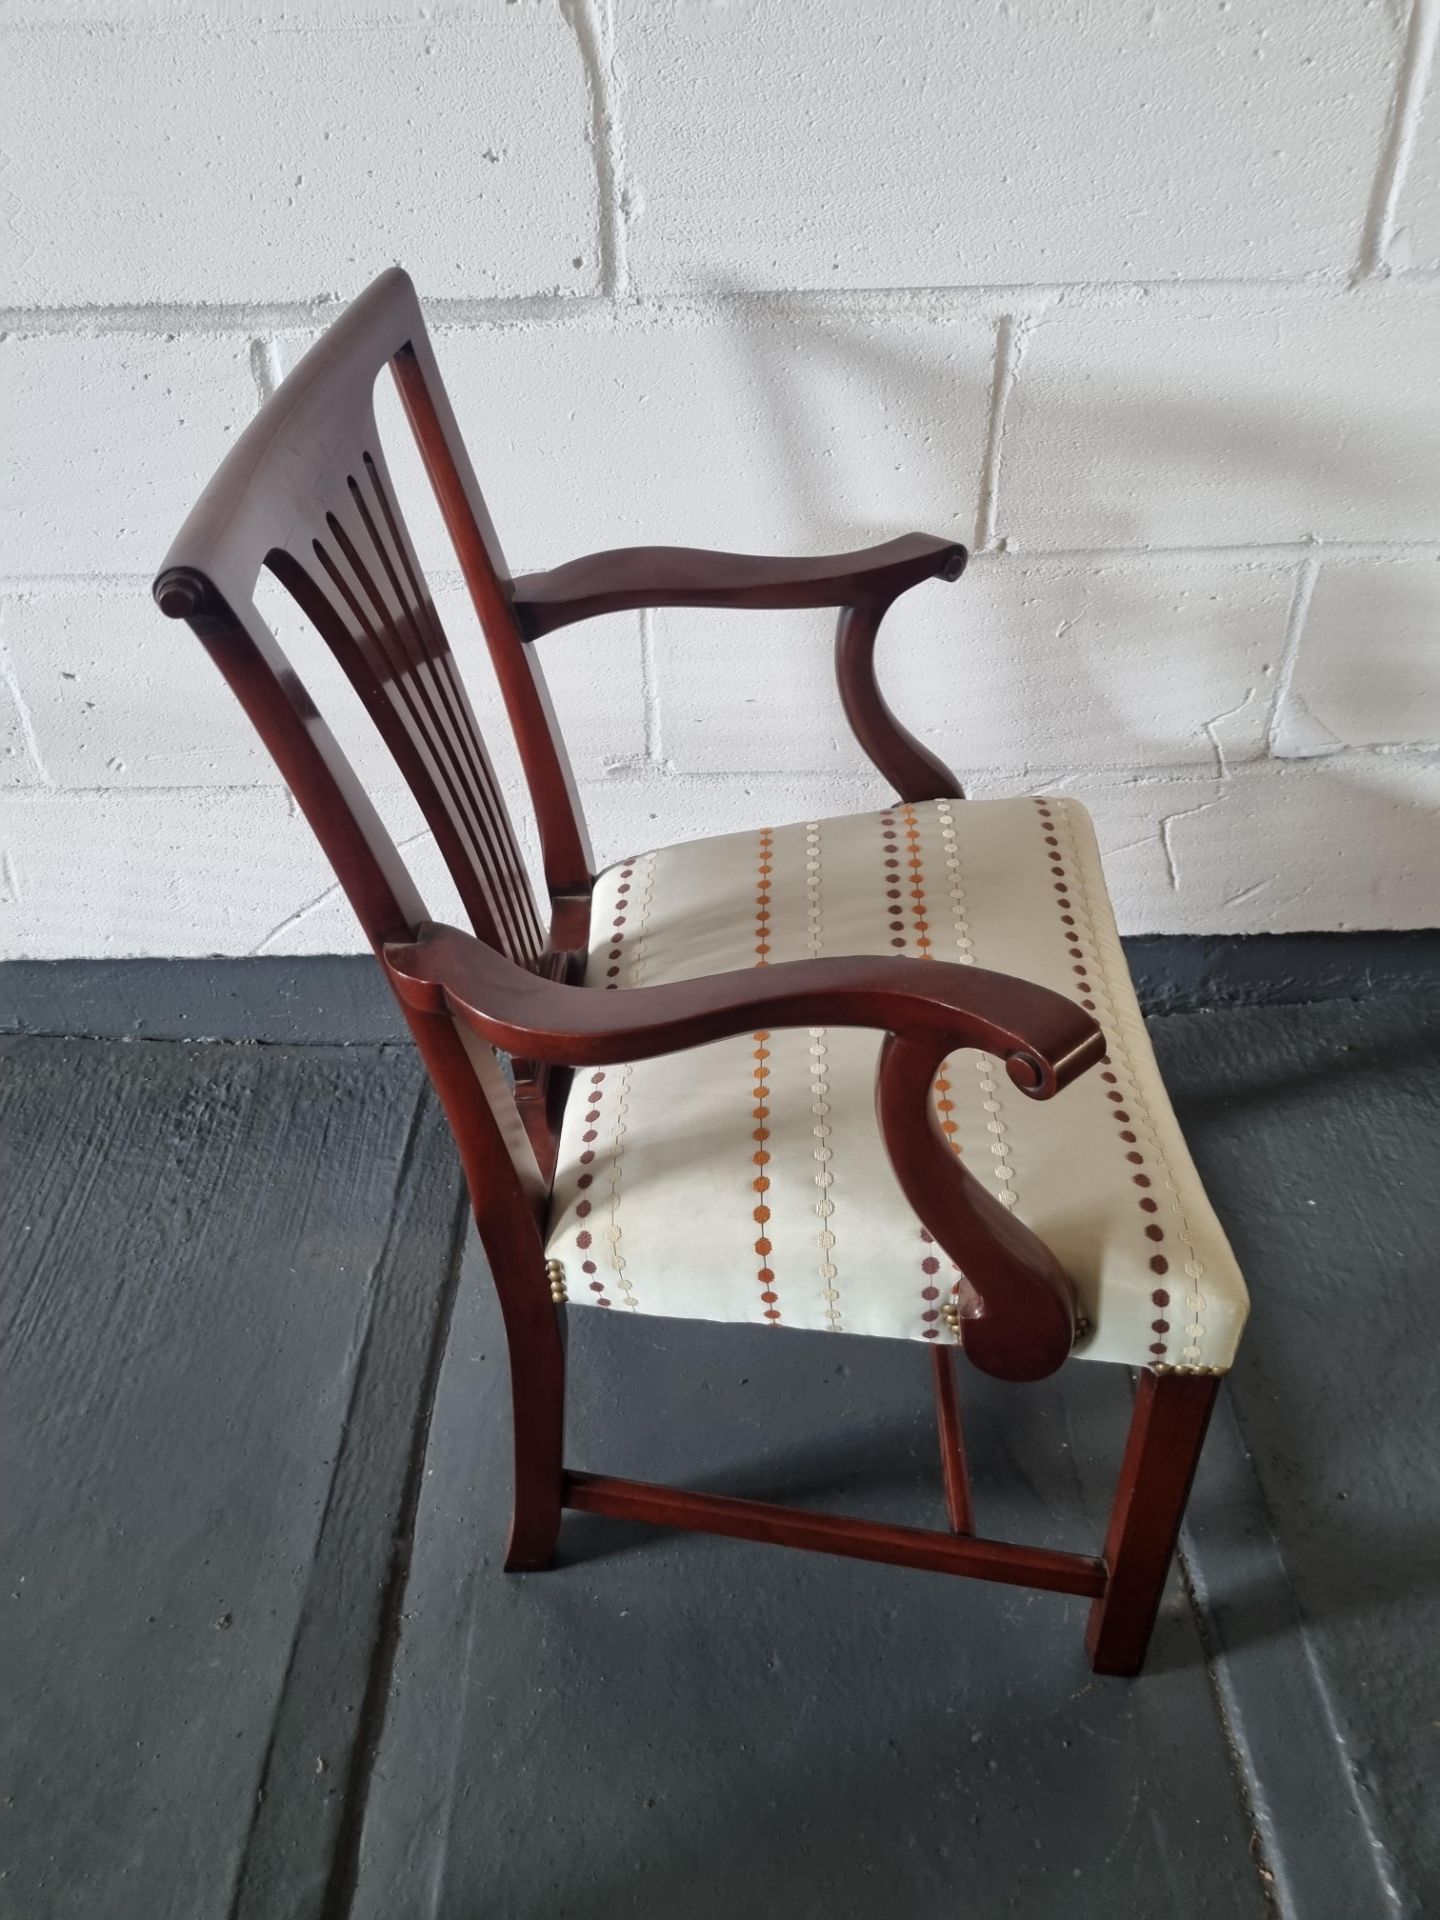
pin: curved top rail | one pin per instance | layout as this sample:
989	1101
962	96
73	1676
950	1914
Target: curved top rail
269	478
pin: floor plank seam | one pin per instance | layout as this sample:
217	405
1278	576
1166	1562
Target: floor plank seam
237	1905
1247	1786
1270	1804
344	1874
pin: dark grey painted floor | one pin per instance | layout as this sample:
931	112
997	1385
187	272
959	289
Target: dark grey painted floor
264	1663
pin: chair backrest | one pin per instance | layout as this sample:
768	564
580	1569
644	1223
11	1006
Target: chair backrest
305	494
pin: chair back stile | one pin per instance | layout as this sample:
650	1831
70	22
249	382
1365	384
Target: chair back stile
306	495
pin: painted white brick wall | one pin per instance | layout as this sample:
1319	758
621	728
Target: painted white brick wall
927	142
1143	303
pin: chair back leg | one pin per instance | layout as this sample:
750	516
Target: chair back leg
1167	1430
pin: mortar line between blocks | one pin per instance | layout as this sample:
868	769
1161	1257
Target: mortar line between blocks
265	366
650	690
10	681
643	777
23	586
592	22
304	313
1305	580
1001	380
1378	235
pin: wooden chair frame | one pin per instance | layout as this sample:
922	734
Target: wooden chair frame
305	494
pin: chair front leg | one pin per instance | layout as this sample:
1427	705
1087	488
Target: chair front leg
536	1340
1167	1431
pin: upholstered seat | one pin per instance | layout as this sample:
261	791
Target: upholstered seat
747	1180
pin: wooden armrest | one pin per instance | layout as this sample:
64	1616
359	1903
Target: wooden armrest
1018	1306
862	585
1044	1039
692	577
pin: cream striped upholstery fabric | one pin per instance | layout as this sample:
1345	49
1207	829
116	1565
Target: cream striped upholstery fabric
747	1180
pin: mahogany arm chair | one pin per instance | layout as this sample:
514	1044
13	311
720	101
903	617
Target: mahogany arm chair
751	1078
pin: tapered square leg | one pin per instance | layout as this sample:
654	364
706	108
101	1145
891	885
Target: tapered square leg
537	1389
1167	1430
953	1464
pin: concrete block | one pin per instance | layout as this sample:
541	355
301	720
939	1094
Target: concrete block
19	766
769	431
1207	419
1368	668
211	155
632	813
1347	843
1128	811
181	872
109	440
836	143
1024	664
120	697
1344	843
750	690
106	874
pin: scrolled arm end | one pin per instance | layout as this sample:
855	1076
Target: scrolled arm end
1041	1075
1020	1318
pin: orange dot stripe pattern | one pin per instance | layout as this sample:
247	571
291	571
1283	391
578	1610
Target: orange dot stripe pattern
639	962
760	1111
584	1207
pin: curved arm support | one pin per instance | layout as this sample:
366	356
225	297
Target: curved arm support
1018	1314
1019	1319
862	585
627	577
911	768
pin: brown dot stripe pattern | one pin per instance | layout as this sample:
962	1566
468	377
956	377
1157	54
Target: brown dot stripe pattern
1088	981
905	882
585	1205
760	1111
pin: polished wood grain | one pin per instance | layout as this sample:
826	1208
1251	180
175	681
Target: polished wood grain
955	1469
862	585
626	577
907	763
305	495
836	1533
1167	1431
1045	1039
